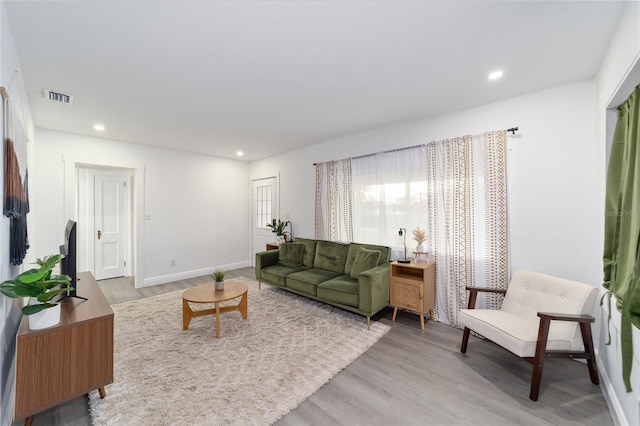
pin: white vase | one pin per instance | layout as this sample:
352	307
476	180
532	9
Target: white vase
419	248
219	285
45	318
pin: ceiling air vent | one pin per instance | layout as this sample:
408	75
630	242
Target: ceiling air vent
62	98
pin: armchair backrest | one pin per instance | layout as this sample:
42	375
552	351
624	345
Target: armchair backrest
532	292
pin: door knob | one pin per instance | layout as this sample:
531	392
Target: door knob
99	233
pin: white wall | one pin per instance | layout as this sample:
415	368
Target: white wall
196	206
554	210
11	79
618	75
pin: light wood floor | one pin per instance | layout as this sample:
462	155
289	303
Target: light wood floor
413	377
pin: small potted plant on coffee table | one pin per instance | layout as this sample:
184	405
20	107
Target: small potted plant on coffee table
218	276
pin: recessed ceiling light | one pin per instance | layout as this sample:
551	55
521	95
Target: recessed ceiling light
495	75
99	127
239	153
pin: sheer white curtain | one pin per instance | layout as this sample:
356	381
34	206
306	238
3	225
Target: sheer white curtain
389	193
468	220
333	201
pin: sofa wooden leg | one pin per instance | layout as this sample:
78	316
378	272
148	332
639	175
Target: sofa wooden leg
368	323
465	340
259	284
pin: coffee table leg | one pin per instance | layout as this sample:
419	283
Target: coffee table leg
186	314
242	306
217	319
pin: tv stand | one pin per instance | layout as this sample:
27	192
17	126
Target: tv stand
60	363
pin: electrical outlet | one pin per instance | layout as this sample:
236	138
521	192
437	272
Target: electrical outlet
173	262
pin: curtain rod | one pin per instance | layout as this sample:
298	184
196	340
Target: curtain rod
383	152
513	130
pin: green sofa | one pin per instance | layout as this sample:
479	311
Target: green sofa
351	276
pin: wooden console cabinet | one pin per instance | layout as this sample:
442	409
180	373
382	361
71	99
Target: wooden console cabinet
63	362
412	287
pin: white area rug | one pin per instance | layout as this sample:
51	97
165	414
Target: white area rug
256	372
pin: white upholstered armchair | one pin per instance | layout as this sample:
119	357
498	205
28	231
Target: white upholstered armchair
541	317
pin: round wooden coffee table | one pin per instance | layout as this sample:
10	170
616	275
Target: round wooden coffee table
206	293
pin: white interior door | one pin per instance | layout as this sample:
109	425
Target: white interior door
110	226
264	208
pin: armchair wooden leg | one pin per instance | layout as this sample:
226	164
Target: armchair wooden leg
585	329
538	361
465	340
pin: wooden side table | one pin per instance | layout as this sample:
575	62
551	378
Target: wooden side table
412	287
273	246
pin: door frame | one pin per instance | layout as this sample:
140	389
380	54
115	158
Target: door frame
252	181
86	213
70	207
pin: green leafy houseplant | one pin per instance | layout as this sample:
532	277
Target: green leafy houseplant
38	283
218	275
278	228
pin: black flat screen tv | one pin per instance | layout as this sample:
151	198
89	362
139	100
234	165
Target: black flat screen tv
69	265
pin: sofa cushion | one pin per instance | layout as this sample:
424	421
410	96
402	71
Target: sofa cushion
331	256
277	274
365	259
290	254
307	281
385	254
342	290
309	254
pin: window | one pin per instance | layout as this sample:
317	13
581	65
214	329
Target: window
264	205
389	193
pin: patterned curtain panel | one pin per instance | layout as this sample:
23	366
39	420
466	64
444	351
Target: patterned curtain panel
333	201
468	219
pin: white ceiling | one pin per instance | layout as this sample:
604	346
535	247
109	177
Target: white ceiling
265	77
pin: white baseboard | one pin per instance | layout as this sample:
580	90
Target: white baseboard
617	413
163	279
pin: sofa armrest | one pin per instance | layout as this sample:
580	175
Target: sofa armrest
473	294
264	259
374	288
549	316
